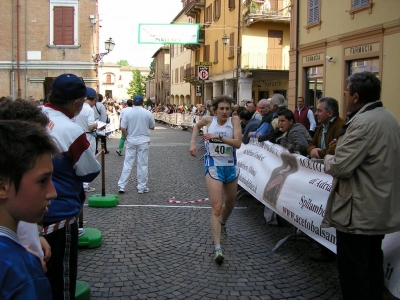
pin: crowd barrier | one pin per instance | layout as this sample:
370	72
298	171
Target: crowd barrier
182	120
297	188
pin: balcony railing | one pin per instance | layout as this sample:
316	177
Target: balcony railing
271	9
193	6
265	61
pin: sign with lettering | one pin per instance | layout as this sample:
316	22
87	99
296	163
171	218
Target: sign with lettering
203	63
202	72
313	58
360	49
297	189
168	33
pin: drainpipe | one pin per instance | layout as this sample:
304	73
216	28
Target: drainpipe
18	70
239	53
297	52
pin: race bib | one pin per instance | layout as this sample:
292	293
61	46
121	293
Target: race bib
220	149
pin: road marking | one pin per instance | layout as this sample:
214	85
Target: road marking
180	206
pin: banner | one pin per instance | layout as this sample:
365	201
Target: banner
168	33
297	189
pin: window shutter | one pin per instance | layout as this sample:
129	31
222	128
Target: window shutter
207	53
231	4
63	25
216	51
313	14
231	45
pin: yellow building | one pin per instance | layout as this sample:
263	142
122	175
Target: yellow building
246	43
331	40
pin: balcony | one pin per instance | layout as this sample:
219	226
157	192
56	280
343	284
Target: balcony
191	76
193	7
265	61
267	11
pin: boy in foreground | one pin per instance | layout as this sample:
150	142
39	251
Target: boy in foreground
25	192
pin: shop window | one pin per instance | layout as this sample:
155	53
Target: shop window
370	65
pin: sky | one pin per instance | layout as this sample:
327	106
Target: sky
119	19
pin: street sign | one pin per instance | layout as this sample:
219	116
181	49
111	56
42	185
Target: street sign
198	90
202	72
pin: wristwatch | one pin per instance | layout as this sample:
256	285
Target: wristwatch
220	136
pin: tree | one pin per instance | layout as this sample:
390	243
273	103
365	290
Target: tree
137	86
152	73
123	62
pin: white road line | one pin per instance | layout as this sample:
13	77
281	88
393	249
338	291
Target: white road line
173	206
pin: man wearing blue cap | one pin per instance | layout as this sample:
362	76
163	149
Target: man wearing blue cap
75	165
136	126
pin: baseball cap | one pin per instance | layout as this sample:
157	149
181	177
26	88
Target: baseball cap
90	93
138	99
68	87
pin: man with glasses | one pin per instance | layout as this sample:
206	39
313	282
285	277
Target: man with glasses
363	204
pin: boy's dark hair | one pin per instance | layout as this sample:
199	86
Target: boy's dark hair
245	114
23	110
219	99
22	144
288	114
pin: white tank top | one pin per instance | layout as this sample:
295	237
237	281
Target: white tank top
217	152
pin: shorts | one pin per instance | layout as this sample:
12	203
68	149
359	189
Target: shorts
226	174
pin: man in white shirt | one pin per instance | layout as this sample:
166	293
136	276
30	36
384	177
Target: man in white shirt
136	125
85	119
100	114
123	137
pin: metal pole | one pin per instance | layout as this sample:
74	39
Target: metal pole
103	173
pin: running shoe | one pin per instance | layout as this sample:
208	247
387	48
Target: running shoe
121	191
119	152
219	257
89	189
81	231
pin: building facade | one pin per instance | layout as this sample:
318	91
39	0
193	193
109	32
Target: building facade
245	45
325	51
42	39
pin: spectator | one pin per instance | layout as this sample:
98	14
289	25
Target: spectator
289	134
100	114
278	103
264	129
26	189
251	107
136	126
251	124
305	116
75	165
85	119
363	204
123	137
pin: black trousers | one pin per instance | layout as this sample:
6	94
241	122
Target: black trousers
62	268
103	140
360	265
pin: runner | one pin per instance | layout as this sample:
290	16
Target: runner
222	137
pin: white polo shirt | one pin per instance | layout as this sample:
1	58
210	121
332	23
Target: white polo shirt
138	121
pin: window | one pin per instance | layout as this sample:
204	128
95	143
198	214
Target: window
313	12
63	23
231	46
206	54
370	65
231	4
182	77
108	78
360	5
208	15
172	50
216	52
217	9
176	75
172	77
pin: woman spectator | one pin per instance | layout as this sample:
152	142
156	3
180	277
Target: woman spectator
291	135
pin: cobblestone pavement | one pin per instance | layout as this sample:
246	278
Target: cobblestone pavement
155	250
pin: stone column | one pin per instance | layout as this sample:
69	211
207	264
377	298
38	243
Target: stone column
217	88
244	89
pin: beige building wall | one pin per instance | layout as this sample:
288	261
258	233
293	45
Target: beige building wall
364	37
39	61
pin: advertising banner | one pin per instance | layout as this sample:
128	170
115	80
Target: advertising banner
297	189
168	33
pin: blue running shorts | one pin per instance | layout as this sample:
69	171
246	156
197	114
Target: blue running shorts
226	174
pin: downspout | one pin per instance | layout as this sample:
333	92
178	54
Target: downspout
26	49
297	51
18	71
239	53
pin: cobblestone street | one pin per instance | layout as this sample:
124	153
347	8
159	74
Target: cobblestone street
156	250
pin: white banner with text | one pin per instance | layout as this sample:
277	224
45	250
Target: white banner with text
297	189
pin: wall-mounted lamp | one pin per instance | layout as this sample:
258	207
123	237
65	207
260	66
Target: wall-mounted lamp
93	20
259	87
109	45
330	59
225	39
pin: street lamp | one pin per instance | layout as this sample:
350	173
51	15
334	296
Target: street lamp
225	39
109	46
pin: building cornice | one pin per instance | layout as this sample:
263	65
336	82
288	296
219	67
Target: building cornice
48	65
